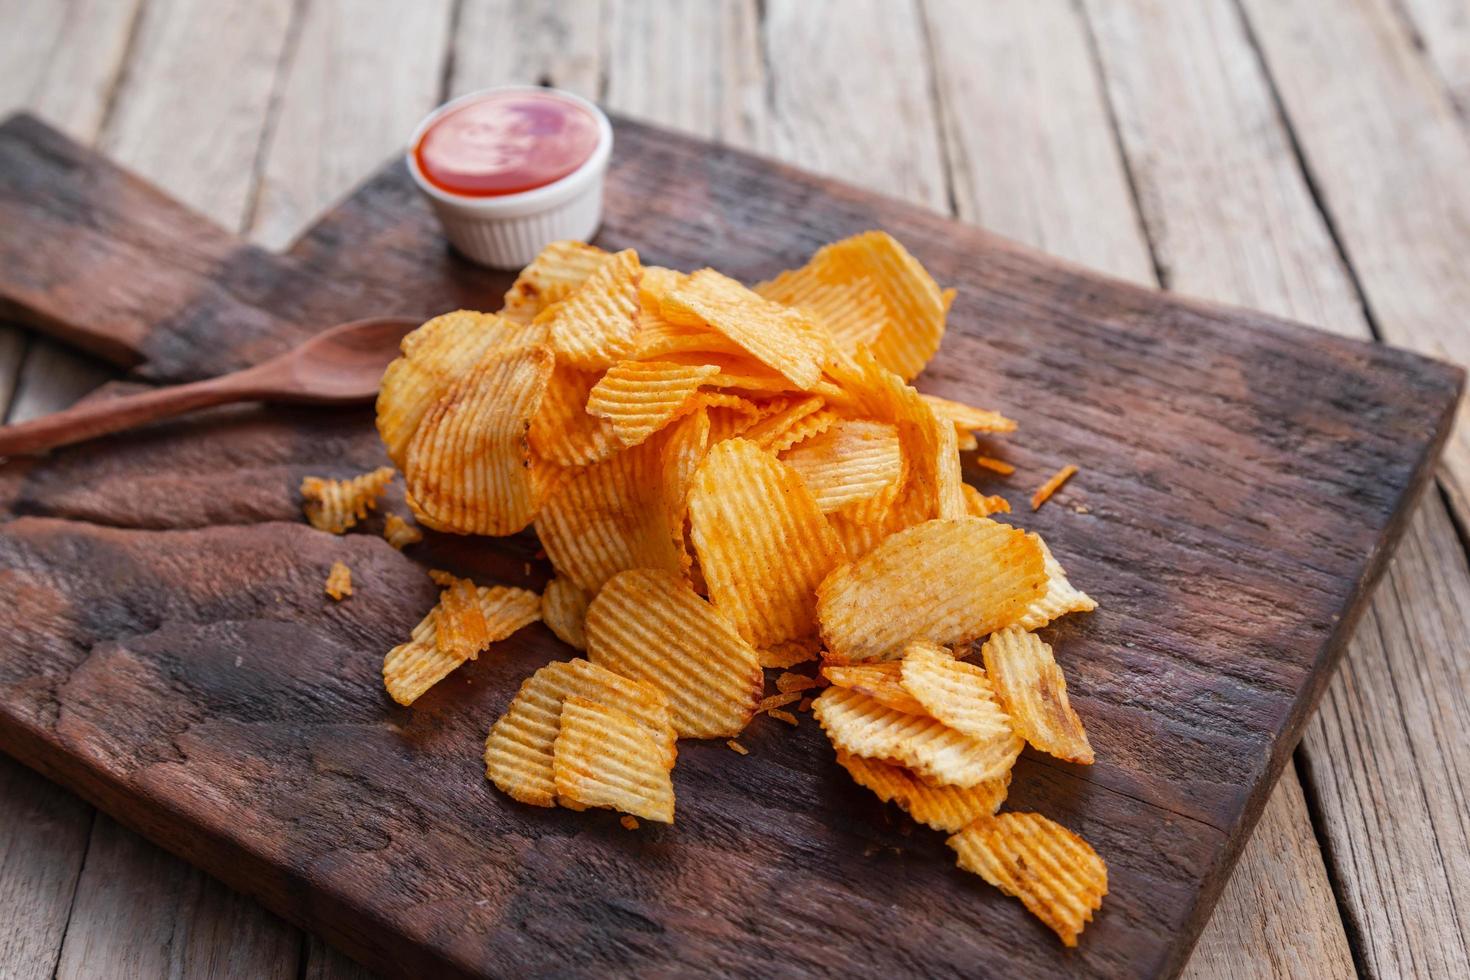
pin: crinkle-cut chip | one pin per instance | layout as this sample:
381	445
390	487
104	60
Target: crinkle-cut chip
399	533
336	505
738	372
803	429
914	308
785	340
657	338
594	326
967	418
563	431
461	631
947	808
945	581
339	581
851	462
978	504
564	610
412	668
520	750
762	543
958	694
641	397
550	278
859	537
790	653
649	625
604	757
788	413
1055	873
611	516
656	282
860	725
883	682
684	450
1030	686
852	311
434	357
1061	596
469	468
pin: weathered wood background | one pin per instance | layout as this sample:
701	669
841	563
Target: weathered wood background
1306	158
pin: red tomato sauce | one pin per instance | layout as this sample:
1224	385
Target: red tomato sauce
506	143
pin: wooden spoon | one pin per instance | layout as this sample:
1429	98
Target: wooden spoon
340	366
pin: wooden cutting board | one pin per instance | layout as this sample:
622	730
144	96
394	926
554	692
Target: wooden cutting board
166	649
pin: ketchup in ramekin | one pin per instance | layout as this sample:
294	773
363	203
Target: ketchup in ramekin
510	170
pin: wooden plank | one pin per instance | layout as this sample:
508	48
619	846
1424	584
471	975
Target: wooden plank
1023	76
851	95
362	76
62	59
540	42
1389	157
1191	705
1442	29
694	67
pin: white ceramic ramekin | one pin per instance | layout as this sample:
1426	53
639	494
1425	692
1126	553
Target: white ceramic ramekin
507	231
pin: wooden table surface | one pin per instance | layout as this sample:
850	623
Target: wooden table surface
1306	157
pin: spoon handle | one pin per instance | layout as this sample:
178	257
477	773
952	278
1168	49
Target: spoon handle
98	418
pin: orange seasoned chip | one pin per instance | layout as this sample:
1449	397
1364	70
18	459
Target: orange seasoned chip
947	808
563	431
945	581
978	504
803	429
520	750
995	465
790	653
412	668
785	340
469	468
550	278
762	543
641	397
604	757
651	626
785	414
883	682
339	581
850	463
564	610
852	311
958	694
737	748
1056	874
1030	686
1061	596
460	630
595	325
967	418
860	725
399	533
336	505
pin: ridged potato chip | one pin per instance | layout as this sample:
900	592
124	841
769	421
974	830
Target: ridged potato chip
339	581
550	278
852	311
1056	874
785	340
959	694
603	757
595	325
520	750
412	668
435	356
336	505
399	533
563	431
640	397
564	610
649	625
946	808
850	463
469	468
460	630
1060	597
1030	687
967	418
860	725
883	682
611	516
803	429
762	543
784	413
945	581
978	504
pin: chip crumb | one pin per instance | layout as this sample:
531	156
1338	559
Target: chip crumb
629	822
339	581
785	716
399	533
441	578
525	568
776	701
995	465
737	747
336	505
806	705
789	682
1081	509
1044	492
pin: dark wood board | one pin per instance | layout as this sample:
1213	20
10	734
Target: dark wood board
166	649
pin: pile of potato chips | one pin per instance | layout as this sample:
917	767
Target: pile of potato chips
728	479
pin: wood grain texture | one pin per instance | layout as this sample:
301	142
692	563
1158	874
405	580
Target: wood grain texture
506	42
1195	719
62	59
1442	29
